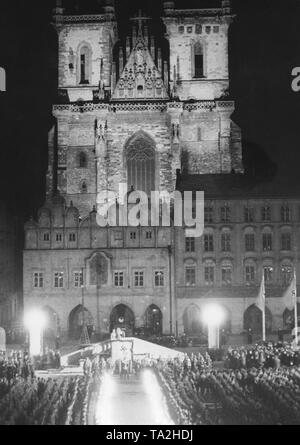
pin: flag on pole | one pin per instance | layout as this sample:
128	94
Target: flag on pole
261	299
290	296
261	304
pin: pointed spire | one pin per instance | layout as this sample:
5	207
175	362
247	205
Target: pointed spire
133	36
113	76
178	69
226	6
152	47
166	74
121	61
128	48
159	60
146	35
169	7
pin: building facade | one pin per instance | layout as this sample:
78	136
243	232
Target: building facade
252	229
150	110
10	270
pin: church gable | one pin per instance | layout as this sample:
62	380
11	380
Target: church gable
140	78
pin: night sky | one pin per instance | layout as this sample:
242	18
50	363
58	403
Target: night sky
264	48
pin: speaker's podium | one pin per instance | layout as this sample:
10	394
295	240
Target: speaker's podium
122	349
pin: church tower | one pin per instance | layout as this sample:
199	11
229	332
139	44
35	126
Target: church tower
134	109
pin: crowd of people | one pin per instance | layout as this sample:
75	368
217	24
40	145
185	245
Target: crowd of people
203	395
15	364
258	385
266	355
26	399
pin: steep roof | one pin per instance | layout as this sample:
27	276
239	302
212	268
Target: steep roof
238	186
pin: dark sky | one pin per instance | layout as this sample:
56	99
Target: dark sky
264	47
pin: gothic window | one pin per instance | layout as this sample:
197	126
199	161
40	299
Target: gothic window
141	166
82	160
83	187
84	61
72	237
198	61
98	270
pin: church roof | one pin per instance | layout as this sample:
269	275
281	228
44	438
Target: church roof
238	186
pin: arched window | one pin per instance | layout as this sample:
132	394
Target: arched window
83	187
253	320
226	270
250	272
84	61
198	60
82	160
140	158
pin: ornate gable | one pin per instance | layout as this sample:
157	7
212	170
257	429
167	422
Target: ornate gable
140	79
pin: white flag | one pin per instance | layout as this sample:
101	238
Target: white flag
290	295
261	299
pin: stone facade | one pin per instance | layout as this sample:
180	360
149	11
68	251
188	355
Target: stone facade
254	230
10	276
137	111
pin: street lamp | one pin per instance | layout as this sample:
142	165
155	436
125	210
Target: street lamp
35	321
213	316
